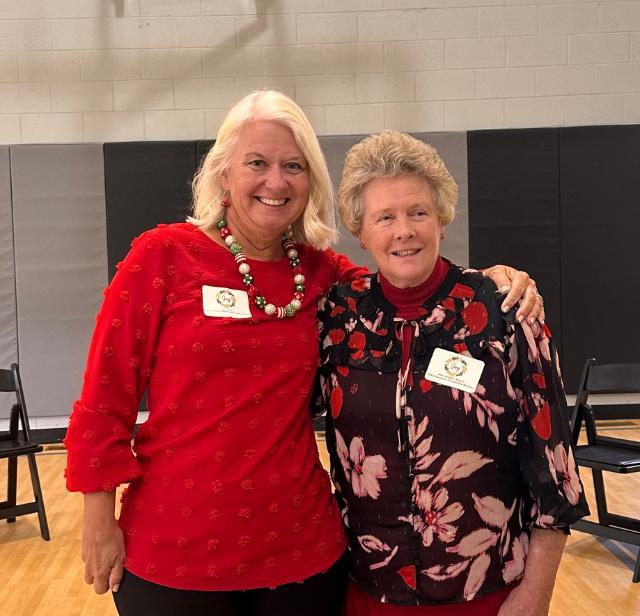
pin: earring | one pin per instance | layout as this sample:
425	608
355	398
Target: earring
442	235
225	203
362	245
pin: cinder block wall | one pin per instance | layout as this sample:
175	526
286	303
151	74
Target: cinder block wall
117	70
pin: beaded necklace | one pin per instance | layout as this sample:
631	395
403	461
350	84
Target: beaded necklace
259	300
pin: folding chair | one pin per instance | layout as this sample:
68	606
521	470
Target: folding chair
602	453
18	443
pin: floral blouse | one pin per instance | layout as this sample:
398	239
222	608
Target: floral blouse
439	489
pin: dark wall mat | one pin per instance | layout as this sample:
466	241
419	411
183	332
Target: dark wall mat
61	256
452	147
600	218
514	208
147	183
335	149
8	319
202	148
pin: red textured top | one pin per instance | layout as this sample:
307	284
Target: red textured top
227	491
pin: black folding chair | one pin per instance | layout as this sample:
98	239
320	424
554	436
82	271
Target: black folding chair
603	453
17	442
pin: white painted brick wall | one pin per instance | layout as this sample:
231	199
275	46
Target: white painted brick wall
508	21
47	66
52	127
93	70
8	67
328	28
110	65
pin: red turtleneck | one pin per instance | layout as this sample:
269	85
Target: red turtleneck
409	300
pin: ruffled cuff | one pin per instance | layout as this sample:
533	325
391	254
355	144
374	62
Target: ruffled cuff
99	454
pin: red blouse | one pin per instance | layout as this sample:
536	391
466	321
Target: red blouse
227	491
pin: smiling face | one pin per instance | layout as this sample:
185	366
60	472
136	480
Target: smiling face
268	183
400	229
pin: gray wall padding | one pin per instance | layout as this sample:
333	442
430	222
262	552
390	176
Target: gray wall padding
61	266
452	147
8	325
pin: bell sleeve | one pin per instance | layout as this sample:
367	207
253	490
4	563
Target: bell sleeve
98	440
544	437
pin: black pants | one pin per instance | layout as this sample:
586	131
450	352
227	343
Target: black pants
320	595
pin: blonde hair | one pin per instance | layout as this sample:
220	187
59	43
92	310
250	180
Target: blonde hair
316	226
386	155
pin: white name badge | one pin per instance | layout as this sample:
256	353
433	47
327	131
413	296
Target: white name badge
223	302
455	370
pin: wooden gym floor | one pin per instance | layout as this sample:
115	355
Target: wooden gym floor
41	578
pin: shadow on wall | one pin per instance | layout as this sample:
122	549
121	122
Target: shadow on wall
222	50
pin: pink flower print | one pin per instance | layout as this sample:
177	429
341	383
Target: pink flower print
435	518
363	471
437	316
513	569
566	471
477	575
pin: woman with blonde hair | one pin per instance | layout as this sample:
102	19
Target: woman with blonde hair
228	509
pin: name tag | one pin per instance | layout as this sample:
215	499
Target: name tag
222	302
455	370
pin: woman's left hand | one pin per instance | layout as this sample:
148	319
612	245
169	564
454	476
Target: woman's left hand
521	287
523	600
